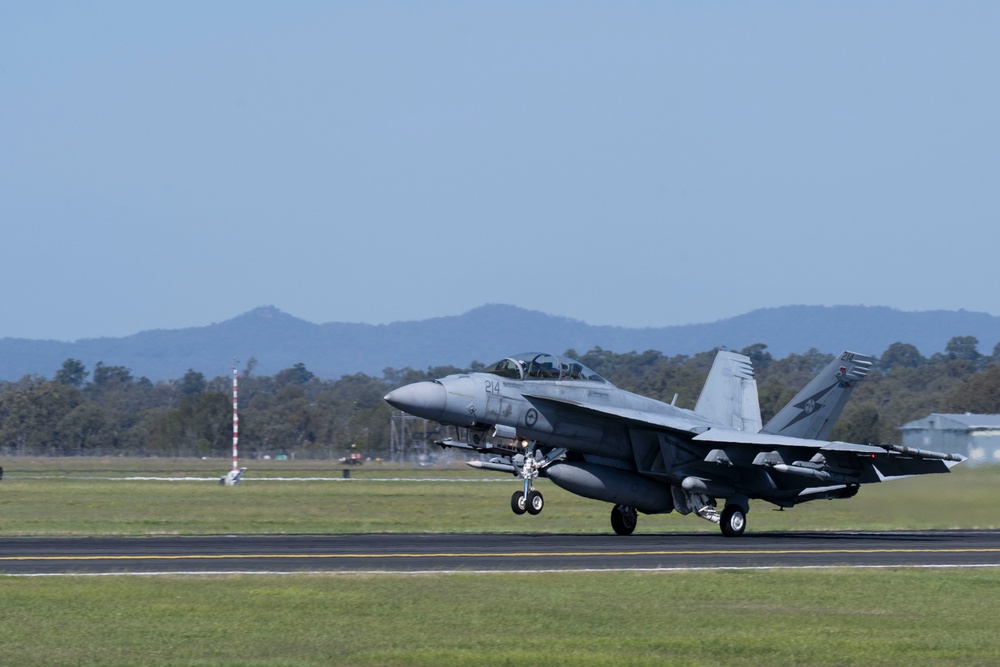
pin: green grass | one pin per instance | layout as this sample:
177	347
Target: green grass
736	618
821	618
62	496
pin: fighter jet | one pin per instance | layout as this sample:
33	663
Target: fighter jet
543	415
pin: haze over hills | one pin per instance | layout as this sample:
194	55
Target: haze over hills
278	340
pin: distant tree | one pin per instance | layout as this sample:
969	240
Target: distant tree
395	377
30	414
759	356
107	377
779	381
963	347
87	429
192	384
859	424
979	394
900	355
288	421
297	374
72	373
201	425
441	371
296	412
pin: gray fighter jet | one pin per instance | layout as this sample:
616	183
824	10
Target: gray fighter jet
541	415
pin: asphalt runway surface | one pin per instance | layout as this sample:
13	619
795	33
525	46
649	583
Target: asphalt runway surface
412	553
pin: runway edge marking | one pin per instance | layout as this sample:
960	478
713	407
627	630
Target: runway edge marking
424	573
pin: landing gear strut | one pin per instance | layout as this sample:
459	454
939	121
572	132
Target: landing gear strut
529	500
732	520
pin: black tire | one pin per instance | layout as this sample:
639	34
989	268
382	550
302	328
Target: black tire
733	521
623	519
535	502
517	503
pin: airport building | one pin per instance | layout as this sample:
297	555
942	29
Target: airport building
974	436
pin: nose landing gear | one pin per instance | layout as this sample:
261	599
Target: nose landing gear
529	500
532	503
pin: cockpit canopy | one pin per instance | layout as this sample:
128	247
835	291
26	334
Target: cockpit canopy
542	366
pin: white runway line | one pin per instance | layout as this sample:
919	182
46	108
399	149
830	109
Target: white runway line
424	573
260	479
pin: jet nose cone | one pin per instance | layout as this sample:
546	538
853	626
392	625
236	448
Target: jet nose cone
423	399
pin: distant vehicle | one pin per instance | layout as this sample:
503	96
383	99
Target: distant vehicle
543	415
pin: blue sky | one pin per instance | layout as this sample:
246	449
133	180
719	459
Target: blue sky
174	164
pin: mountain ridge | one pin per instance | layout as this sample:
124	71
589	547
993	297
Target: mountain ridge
279	340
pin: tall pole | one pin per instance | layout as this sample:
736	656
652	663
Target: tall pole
236	423
233	476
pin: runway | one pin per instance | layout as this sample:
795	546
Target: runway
412	553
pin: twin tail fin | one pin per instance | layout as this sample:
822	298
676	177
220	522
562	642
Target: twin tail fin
814	410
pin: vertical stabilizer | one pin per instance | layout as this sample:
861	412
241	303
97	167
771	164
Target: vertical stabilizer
729	397
815	409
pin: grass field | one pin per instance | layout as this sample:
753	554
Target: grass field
95	497
741	618
821	618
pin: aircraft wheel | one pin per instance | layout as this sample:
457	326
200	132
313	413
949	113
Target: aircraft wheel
517	503
535	502
623	519
733	521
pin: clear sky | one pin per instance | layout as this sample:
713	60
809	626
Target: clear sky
174	164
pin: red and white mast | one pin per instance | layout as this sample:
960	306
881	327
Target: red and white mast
236	422
233	476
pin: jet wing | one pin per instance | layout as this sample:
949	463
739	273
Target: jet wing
683	424
764	440
826	461
818	460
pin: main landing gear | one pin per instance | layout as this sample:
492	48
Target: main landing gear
733	521
624	519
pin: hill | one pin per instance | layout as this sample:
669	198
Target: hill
278	340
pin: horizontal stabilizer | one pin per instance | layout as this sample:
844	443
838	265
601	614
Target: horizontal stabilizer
840	462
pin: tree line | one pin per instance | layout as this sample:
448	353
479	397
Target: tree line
106	411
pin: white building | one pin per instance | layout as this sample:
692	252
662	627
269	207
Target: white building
974	436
